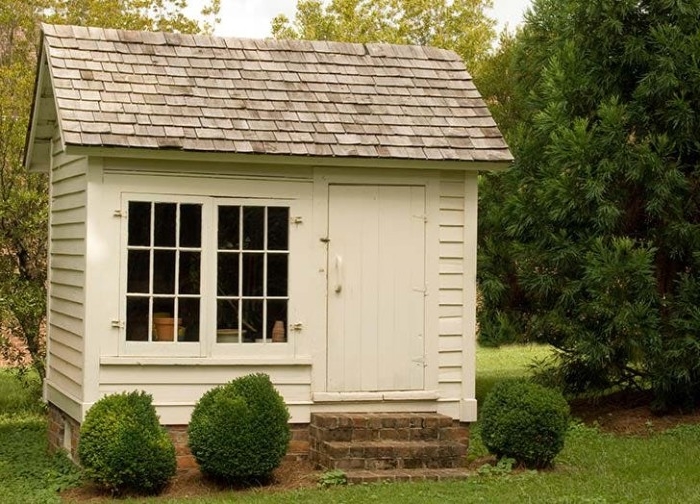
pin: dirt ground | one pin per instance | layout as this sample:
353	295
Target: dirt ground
629	415
621	414
291	475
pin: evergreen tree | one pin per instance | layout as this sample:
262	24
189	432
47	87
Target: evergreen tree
591	242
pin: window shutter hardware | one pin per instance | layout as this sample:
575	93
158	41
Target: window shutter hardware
297	220
296	327
120	213
117	324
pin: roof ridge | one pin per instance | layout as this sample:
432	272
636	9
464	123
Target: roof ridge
374	49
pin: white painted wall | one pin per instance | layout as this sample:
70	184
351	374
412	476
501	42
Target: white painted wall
299	370
66	277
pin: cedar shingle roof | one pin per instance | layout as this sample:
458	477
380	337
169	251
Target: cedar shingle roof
118	88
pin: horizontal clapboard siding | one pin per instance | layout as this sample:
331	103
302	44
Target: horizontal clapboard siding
67	272
451	295
181	386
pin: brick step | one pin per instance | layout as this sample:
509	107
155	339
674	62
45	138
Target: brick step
380	426
355	477
389	454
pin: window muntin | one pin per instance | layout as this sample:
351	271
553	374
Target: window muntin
164	264
252	274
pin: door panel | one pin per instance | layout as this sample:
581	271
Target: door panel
376	286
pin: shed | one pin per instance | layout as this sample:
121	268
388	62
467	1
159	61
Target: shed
221	206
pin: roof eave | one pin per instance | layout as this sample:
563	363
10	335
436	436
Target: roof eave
34	111
289	160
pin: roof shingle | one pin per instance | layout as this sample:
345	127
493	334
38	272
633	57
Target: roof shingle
117	88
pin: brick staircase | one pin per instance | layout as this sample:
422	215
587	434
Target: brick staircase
389	446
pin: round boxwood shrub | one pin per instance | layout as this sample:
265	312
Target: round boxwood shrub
123	447
524	421
238	432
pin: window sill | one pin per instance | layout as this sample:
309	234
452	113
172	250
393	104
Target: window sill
205	361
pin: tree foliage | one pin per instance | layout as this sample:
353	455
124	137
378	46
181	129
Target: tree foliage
460	25
591	241
23	196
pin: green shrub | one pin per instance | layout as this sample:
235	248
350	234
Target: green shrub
122	446
524	421
239	431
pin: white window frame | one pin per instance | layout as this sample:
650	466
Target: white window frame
207	346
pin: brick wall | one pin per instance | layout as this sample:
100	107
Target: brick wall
64	432
298	446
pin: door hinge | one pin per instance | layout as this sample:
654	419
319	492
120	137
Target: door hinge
117	324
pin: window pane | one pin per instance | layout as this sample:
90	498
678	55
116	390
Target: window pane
277	274
139	223
277	321
164	272
227	274
252	320
165	224
188	312
229	220
136	319
253	228
189	273
253	272
163	321
277	228
227	321
191	226
139	263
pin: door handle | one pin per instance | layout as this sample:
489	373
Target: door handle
338	274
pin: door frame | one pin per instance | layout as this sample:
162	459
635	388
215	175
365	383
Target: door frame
318	329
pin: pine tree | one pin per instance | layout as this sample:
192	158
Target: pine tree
592	241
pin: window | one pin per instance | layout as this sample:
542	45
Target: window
204	274
164	257
252	266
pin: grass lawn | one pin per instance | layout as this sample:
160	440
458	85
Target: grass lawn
505	363
27	473
593	468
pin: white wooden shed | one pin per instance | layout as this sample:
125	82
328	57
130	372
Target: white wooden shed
224	206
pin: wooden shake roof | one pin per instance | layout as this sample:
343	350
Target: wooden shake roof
130	89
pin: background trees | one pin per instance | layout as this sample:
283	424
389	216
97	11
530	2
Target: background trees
23	196
460	25
591	242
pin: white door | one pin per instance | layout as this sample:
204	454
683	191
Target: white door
376	288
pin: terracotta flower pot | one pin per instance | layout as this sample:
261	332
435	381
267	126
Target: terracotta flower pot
165	328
